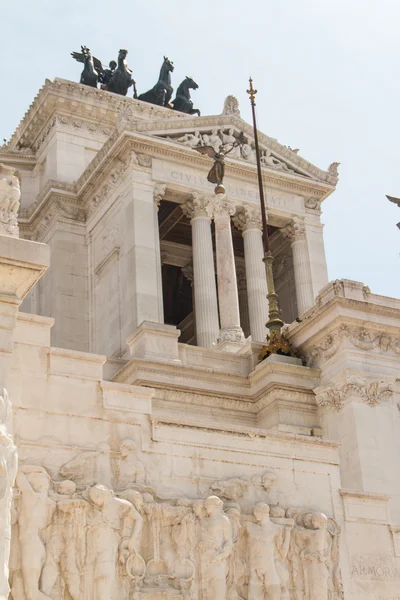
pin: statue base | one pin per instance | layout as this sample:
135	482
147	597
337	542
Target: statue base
219	189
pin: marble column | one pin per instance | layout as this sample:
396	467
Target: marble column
243	302
295	233
248	220
223	209
158	195
198	210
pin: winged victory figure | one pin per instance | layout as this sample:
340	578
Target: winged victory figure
93	69
217	171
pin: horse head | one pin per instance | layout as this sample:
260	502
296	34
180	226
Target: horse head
190	83
168	64
122	54
86	52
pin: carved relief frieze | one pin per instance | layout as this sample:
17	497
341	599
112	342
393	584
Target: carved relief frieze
372	392
99	529
359	337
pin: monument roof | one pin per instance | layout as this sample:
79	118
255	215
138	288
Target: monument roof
83	103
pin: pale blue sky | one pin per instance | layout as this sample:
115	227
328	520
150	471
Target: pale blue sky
327	72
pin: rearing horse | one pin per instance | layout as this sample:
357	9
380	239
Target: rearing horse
161	93
182	101
121	79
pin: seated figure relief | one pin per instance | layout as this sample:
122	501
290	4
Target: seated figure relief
84	540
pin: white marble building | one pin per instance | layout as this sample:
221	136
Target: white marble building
158	458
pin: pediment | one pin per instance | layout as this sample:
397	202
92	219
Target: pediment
225	129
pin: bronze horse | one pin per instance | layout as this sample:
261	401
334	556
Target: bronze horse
182	102
161	93
92	66
121	79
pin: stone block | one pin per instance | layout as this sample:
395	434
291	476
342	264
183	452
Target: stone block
155	342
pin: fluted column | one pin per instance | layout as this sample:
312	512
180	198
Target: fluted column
158	195
223	209
243	302
198	210
295	233
248	220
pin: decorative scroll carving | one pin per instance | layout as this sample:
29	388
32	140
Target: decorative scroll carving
371	392
294	231
87	542
159	192
359	337
8	469
248	217
198	206
10	195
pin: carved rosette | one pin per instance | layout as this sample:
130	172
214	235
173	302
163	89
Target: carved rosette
198	206
294	231
370	392
10	195
312	205
248	217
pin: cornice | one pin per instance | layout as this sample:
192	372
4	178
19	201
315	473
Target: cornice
76	98
226	121
119	145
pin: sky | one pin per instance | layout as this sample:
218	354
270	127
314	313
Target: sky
327	74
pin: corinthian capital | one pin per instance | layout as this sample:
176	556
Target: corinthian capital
159	192
223	206
248	217
294	231
198	206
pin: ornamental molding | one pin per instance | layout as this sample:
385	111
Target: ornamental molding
73	98
282	153
295	231
360	337
248	217
372	392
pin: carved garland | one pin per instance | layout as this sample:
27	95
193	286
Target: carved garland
371	392
359	337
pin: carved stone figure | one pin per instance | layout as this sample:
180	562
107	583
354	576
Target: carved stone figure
231	106
333	169
8	469
130	469
161	93
66	547
183	102
269	160
189	139
212	139
35	515
314	557
215	547
10	195
264	539
110	522
89	468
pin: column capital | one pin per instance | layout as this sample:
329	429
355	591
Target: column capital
223	206
198	206
248	217
294	231
159	193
